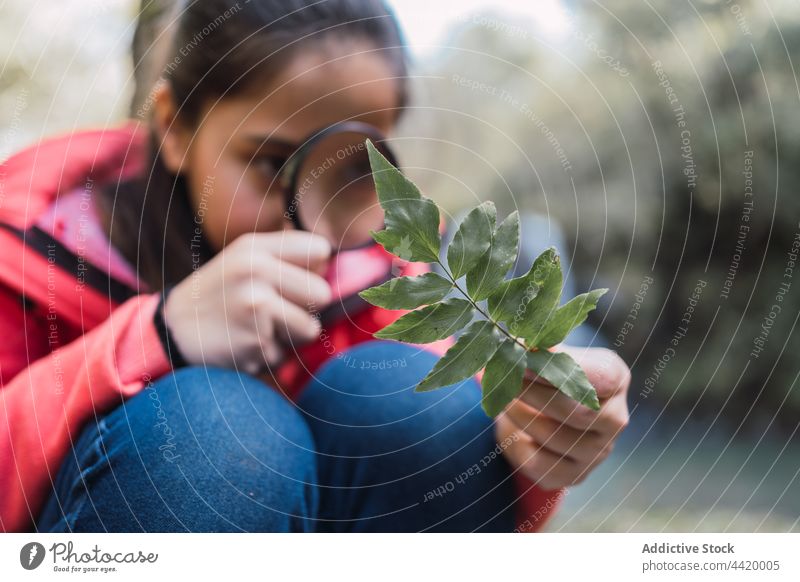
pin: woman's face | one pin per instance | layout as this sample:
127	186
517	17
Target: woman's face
228	166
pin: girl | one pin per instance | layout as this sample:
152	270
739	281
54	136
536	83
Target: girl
183	347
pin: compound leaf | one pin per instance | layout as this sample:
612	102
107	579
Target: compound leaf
527	305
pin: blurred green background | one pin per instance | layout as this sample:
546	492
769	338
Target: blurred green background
661	138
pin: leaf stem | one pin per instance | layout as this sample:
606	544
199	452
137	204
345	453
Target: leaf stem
478	308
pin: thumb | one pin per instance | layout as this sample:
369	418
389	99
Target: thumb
606	371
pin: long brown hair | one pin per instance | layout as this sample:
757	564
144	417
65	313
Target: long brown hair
217	48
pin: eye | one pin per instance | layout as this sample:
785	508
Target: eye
355	170
269	165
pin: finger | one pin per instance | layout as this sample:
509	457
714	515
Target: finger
560	407
616	415
271	353
303	249
298	285
293	324
263	362
275	315
255	359
578	445
609	420
547	469
606	371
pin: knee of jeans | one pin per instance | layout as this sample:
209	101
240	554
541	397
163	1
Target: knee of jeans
376	367
232	421
369	392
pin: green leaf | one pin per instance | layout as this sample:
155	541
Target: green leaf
491	268
389	181
566	318
515	302
467	356
408	292
472	239
508	301
411	221
431	323
546	272
410	232
502	379
565	374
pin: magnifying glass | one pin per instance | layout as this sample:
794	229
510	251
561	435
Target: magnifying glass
329	187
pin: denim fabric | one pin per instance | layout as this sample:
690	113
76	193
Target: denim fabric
210	449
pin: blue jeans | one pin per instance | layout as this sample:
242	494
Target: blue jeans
210	449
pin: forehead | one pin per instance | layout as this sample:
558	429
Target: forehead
314	89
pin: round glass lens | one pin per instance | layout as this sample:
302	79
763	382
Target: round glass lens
335	195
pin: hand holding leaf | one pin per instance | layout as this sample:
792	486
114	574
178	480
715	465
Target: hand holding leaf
523	318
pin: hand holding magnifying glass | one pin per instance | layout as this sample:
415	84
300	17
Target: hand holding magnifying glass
239	312
329	188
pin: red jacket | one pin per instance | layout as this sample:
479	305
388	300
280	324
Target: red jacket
74	349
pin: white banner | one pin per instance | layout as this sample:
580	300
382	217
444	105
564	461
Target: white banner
382	557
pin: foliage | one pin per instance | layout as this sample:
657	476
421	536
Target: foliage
523	317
